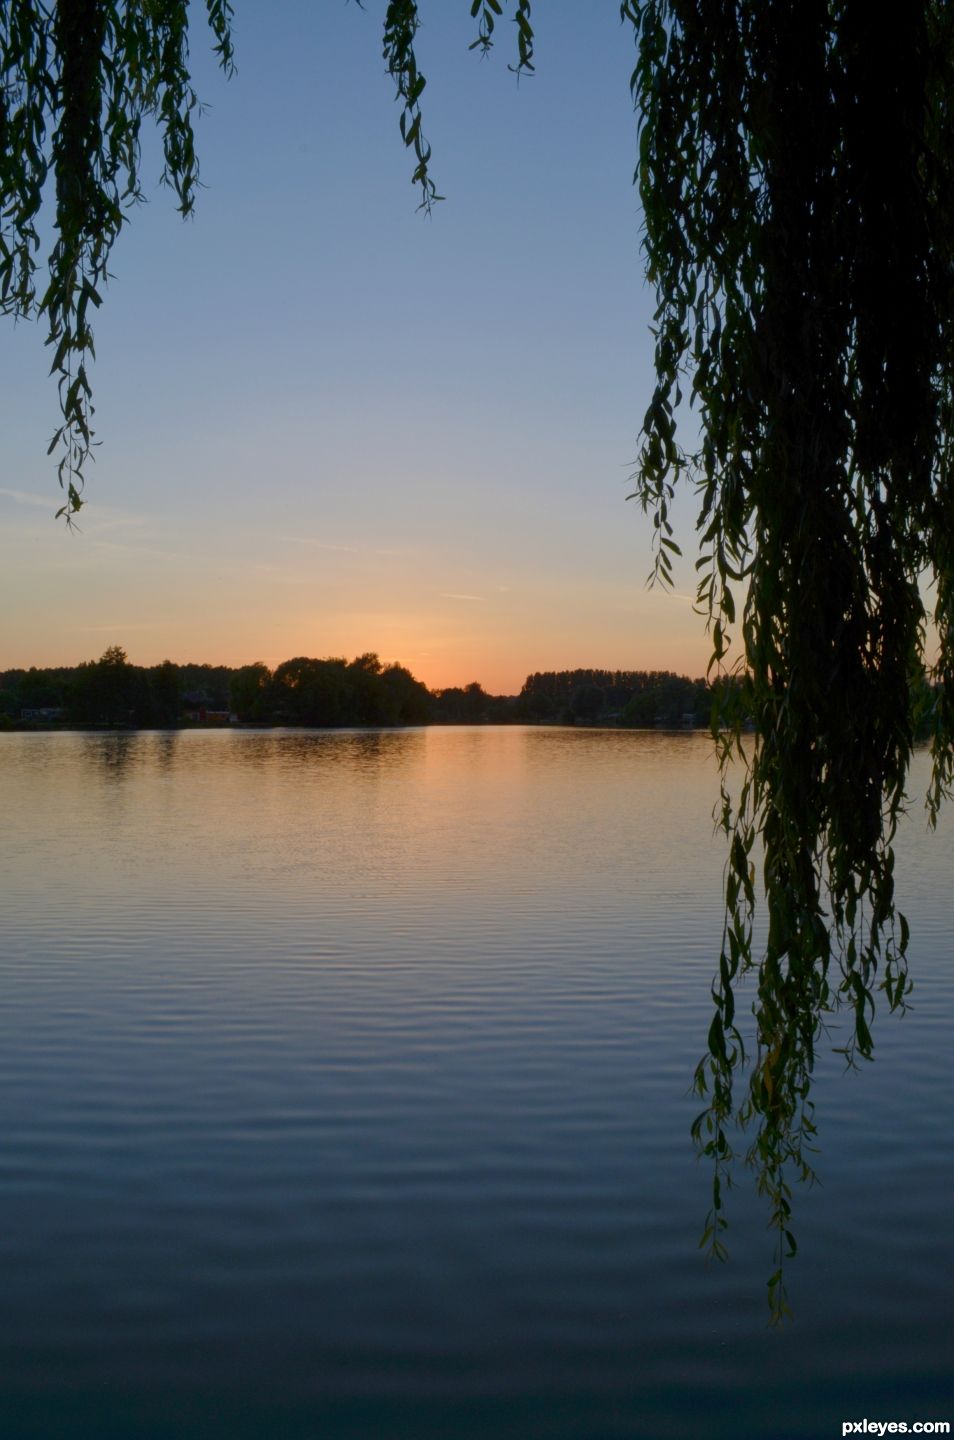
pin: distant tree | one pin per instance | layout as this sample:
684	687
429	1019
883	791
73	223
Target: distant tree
311	692
164	694
210	682
366	698
587	702
448	705
475	702
641	709
407	701
40	688
249	691
500	709
531	703
471	705
107	691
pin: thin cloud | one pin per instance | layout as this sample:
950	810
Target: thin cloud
103	519
340	549
22	497
672	595
120	627
319	544
449	595
116	547
122	522
278	575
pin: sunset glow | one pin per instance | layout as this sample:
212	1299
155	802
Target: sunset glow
330	425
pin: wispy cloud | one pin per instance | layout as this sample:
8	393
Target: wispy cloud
121	522
449	595
23	497
118	628
152	552
279	575
664	594
318	544
103	519
314	544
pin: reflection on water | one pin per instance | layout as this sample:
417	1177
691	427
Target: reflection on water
343	1092
113	750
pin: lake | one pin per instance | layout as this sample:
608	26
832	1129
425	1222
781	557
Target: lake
344	1093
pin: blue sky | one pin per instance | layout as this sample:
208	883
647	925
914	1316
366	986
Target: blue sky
330	424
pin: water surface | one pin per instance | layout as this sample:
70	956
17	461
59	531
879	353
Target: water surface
343	1093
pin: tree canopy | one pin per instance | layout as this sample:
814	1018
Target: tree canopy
77	80
795	166
795	169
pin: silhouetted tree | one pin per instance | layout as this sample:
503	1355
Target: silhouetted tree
367	699
311	692
249	691
107	691
587	702
407	701
165	694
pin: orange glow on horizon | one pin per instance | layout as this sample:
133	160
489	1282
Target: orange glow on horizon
497	673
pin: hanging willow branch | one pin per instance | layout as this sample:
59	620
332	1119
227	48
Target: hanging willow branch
401	22
796	167
76	80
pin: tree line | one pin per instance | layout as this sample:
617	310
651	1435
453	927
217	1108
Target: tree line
111	691
631	698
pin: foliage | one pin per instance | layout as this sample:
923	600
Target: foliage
164	685
77	79
329	692
405	701
107	691
631	698
795	167
248	691
401	22
471	705
302	691
111	691
309	692
669	700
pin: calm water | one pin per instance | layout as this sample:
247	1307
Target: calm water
343	1094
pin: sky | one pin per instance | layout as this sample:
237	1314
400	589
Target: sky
330	424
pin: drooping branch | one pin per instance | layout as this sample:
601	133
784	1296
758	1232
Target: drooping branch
77	80
795	167
401	23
